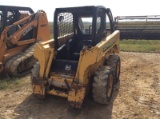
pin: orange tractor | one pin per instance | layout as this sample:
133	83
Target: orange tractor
18	39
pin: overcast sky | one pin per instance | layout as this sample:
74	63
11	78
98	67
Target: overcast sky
118	7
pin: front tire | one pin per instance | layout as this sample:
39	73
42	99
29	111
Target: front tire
114	62
103	85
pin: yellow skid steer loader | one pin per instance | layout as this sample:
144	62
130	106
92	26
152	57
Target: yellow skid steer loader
82	57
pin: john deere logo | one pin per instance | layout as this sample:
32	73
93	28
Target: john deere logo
68	67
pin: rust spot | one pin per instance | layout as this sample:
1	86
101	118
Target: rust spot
77	88
38	81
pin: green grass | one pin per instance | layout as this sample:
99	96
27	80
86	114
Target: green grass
140	46
13	83
51	36
51	29
9	83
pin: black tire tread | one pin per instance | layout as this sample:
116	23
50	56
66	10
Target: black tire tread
100	84
112	62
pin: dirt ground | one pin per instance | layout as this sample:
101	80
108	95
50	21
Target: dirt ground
136	96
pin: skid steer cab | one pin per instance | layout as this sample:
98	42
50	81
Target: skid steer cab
81	58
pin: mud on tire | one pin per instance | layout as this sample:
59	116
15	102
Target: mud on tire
114	62
103	85
35	70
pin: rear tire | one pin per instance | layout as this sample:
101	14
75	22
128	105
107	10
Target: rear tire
103	85
114	62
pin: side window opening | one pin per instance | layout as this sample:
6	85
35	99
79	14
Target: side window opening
11	17
100	25
65	27
85	25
